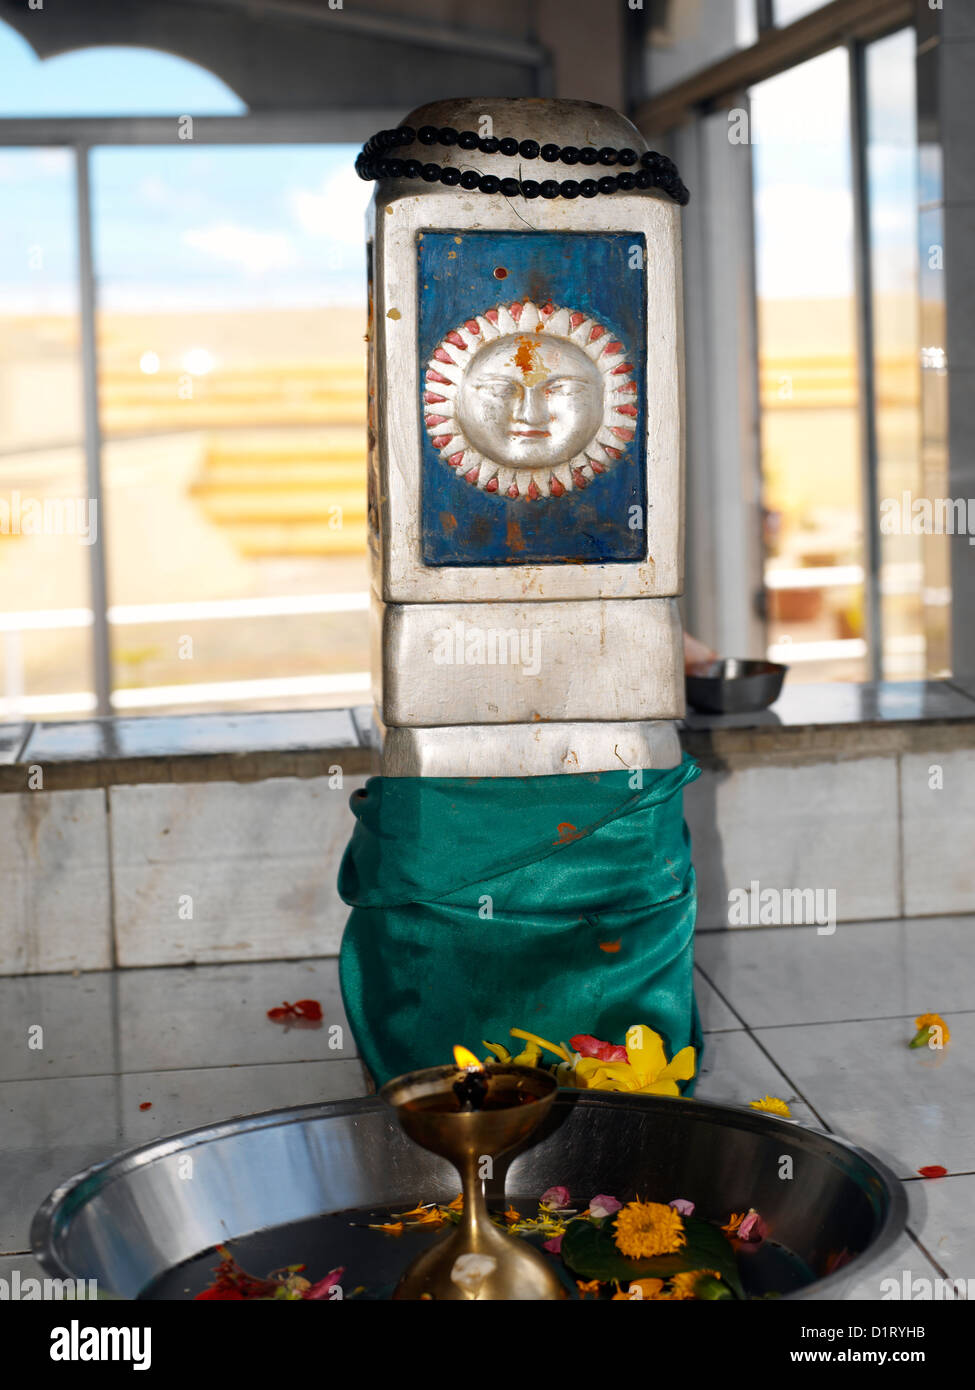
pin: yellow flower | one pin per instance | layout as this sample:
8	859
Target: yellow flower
925	1024
772	1104
498	1053
647	1071
734	1221
534	1052
457	1204
649	1228
684	1285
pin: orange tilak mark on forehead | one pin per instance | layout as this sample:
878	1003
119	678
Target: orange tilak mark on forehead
526	356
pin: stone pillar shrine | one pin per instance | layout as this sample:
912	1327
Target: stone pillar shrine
525	442
522	863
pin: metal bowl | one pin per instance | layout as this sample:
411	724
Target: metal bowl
131	1220
733	686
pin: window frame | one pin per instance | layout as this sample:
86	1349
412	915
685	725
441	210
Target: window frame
80	136
853	25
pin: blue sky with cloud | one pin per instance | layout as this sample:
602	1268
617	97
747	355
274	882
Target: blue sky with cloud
176	227
803	176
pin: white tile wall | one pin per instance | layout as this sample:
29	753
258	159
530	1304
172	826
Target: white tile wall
260	859
256	863
826	825
54	885
939	831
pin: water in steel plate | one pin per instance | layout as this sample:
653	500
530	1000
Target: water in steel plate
374	1260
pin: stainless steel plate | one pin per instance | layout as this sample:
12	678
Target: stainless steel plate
733	686
131	1220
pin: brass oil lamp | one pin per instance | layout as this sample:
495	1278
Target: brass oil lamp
469	1113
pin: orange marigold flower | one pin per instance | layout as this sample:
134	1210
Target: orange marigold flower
433	1217
644	1229
587	1287
734	1221
931	1028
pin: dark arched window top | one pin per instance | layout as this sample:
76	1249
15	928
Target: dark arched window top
107	81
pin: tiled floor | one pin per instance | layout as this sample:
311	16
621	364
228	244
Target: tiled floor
821	1021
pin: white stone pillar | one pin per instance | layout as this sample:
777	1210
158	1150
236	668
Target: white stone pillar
525	460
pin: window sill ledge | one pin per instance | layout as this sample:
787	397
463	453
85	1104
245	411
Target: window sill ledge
807	723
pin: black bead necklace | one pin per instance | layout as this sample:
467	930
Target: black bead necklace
653	171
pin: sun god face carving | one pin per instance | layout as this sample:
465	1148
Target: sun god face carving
529	402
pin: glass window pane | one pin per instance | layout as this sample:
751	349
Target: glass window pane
46	521
231	291
891	156
809	389
788	11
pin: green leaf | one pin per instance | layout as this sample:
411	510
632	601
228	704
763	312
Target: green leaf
709	1289
590	1251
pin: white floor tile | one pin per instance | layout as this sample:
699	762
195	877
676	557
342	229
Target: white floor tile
26	1264
913	1106
943	1216
75	1015
777	975
716	1017
50	1130
188	1099
735	1069
216	1015
874	1285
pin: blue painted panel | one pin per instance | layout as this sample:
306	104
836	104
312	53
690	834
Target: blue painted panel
592	273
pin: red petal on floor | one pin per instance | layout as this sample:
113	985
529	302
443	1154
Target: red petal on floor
610	947
146	1105
933	1170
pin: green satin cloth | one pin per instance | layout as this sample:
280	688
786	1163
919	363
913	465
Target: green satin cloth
482	905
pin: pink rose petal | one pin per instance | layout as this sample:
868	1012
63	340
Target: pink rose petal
554	1245
683	1206
603	1206
753	1229
555	1197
